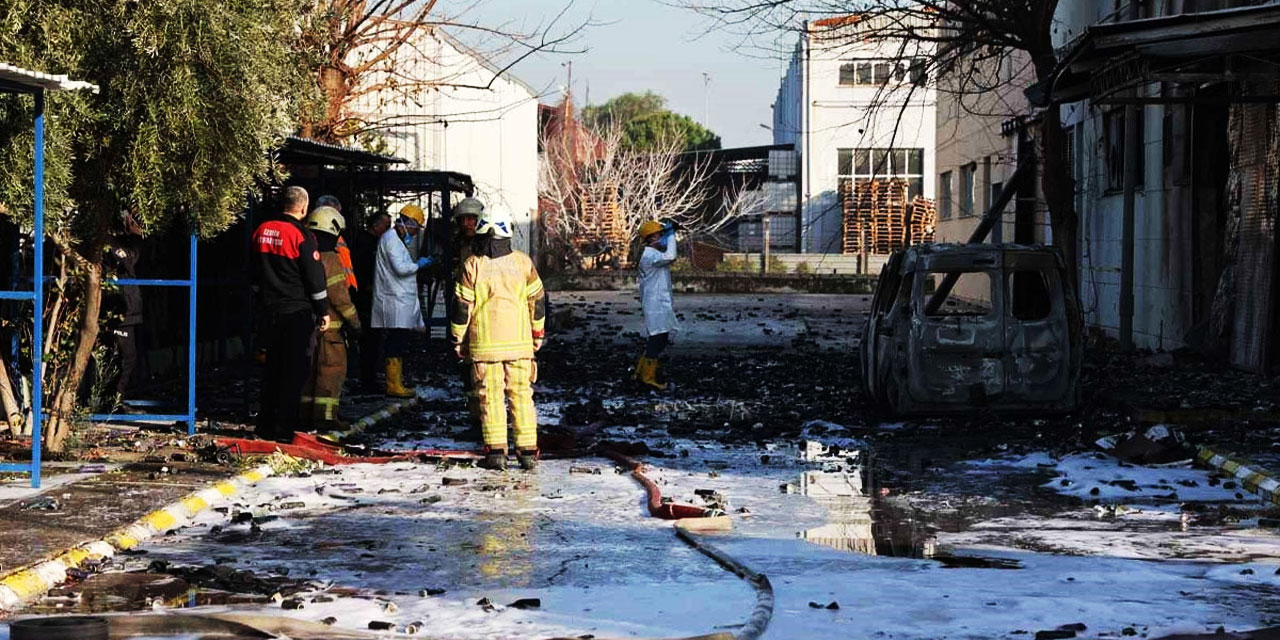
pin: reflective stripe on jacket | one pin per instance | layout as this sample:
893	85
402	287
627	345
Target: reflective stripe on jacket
501	308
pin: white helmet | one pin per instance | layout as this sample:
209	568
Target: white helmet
495	221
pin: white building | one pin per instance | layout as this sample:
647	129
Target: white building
854	111
478	120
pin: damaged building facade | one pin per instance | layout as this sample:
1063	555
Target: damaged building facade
1177	221
1177	243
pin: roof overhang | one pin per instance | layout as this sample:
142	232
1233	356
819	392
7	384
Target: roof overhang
412	181
1108	60
14	79
304	151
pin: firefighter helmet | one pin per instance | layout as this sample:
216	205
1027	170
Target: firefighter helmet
496	222
326	220
468	207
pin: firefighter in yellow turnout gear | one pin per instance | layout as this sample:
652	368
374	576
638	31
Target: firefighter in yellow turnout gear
498	323
320	396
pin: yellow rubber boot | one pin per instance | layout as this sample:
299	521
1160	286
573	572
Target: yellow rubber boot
649	374
635	373
395	380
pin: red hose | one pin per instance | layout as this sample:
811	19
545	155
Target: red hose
657	508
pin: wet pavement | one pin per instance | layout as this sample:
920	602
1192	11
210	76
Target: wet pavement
982	527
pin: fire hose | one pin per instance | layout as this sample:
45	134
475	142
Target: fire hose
762	613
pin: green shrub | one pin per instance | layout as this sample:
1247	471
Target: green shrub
682	265
775	265
732	265
803	269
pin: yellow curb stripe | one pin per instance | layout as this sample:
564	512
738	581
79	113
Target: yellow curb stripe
29	583
160	520
194	504
26	584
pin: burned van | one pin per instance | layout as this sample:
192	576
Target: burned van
957	327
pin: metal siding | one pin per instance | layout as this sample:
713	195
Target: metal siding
1255	251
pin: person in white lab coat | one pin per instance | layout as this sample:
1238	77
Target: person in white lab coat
396	310
655	297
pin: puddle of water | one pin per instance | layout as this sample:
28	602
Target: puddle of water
860	522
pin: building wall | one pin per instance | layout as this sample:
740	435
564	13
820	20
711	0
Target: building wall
1163	294
820	116
478	122
970	141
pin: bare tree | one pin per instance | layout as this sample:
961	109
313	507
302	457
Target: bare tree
595	191
383	50
969	39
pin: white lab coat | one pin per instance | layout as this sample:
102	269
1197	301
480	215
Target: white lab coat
395	286
655	289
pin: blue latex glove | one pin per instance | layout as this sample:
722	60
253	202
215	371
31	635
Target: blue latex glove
426	262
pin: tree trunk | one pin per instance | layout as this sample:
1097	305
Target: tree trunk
1059	191
62	409
11	408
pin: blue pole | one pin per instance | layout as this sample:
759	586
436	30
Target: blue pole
37	326
191	342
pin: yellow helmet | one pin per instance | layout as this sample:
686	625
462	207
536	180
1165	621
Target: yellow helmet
326	220
413	212
649	228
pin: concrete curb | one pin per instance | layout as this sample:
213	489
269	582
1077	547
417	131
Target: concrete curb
392	408
1253	478
26	584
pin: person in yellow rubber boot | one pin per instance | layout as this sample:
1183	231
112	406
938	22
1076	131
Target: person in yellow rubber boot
655	297
499	321
396	309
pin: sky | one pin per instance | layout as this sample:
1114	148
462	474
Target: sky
638	45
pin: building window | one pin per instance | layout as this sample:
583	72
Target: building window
1113	145
863	165
996	188
968	180
944	196
871	72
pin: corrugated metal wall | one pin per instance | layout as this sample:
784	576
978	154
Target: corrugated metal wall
1255	163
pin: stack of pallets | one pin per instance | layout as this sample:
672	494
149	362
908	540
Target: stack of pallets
878	217
602	216
922	220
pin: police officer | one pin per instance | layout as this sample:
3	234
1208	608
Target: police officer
323	390
290	282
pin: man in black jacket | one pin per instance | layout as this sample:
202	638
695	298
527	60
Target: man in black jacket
289	280
364	254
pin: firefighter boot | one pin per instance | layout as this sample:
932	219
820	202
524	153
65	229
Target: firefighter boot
395	379
528	459
494	460
649	375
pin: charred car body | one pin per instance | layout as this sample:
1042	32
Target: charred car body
954	327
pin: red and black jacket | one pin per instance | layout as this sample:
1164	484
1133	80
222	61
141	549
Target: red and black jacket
287	273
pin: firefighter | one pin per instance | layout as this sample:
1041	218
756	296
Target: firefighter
396	309
498	323
290	283
466	216
320	396
655	297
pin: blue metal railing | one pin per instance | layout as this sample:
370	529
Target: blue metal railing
190	284
37	299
